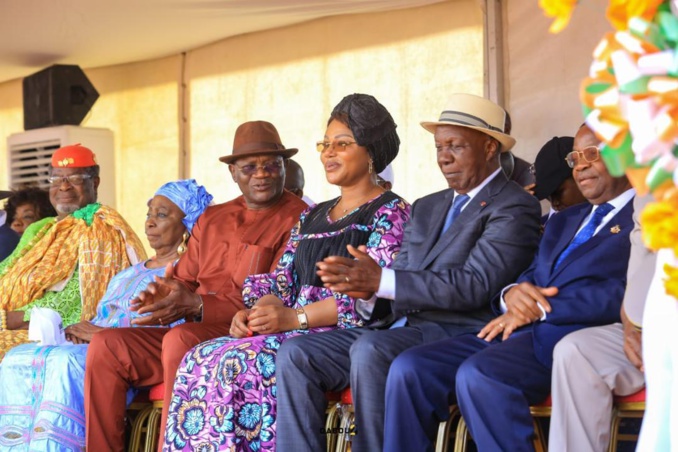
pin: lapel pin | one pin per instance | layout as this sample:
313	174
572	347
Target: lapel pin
483	203
615	229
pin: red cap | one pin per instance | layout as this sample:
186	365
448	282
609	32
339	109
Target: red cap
73	156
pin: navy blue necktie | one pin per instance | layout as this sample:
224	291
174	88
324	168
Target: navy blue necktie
586	232
457	204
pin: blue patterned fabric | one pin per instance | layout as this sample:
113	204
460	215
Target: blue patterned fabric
586	232
114	309
42	388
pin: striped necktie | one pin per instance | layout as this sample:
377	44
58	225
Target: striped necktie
586	232
457	204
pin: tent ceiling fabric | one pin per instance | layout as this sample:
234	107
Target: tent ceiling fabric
35	34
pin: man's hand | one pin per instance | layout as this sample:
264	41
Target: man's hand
633	342
81	333
272	318
358	278
530	188
167	300
505	324
523	301
239	327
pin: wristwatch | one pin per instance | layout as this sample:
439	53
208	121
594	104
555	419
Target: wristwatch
303	319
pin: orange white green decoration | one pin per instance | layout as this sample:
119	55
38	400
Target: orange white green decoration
630	100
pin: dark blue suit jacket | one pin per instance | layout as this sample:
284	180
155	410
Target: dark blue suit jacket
448	281
590	281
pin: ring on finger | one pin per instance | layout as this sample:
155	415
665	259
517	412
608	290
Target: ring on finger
501	325
347	279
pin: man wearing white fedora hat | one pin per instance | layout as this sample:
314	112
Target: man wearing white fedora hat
461	247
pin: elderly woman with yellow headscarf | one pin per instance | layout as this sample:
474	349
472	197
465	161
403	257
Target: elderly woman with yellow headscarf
42	387
65	262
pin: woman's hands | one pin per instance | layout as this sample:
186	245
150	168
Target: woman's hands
270	318
81	333
239	328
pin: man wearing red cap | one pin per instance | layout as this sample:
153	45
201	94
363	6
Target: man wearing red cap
244	236
65	263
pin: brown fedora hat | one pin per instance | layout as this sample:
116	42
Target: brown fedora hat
257	138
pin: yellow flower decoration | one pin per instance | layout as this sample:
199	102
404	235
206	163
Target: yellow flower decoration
560	10
659	222
620	11
671	283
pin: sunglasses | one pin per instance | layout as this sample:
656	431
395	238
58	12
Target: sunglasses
322	146
273	167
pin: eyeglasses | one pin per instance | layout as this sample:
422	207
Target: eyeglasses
268	167
73	179
589	154
322	146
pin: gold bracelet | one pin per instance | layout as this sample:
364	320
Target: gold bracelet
3	320
302	318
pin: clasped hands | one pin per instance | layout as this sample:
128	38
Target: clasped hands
358	277
522	303
268	316
165	301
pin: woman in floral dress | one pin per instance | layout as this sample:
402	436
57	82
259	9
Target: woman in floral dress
224	394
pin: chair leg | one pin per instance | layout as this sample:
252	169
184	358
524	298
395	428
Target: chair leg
346	426
139	427
153	429
332	424
461	437
539	438
444	430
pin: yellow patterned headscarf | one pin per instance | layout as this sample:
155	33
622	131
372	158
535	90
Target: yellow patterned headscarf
100	249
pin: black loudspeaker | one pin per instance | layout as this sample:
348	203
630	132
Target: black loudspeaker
58	95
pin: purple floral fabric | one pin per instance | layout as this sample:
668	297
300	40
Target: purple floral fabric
224	394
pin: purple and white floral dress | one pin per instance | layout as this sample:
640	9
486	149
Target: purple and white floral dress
224	394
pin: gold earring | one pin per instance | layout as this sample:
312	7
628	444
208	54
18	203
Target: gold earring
369	168
181	249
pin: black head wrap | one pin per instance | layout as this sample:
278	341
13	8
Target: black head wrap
372	126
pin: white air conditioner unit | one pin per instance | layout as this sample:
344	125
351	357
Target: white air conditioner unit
29	154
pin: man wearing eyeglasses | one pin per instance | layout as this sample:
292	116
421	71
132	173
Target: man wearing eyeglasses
230	241
577	279
65	263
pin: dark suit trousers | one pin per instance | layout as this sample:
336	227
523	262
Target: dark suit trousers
119	358
307	366
493	383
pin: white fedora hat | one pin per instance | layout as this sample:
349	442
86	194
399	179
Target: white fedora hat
474	112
